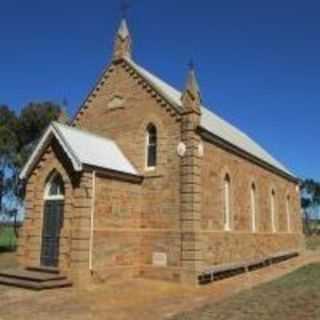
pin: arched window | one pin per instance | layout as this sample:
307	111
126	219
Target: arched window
253	207
288	213
227	211
55	188
273	209
151	147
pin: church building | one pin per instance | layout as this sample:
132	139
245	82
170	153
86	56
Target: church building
148	182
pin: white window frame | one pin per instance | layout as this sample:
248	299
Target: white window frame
47	195
227	211
147	144
253	207
288	213
273	211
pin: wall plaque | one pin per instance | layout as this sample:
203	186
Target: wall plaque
159	259
181	149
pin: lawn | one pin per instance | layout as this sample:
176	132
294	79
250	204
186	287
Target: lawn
313	242
7	238
294	296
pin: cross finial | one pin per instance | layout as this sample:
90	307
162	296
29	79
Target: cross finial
124	8
191	65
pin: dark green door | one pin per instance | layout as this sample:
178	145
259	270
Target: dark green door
52	224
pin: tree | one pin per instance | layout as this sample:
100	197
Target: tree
33	120
310	202
18	137
8	149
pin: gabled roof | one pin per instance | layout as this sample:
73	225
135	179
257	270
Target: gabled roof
82	148
211	122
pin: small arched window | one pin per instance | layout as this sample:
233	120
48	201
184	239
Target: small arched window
55	188
151	147
288	213
227	211
273	211
253	207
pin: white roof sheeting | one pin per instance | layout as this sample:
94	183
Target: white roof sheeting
82	148
211	122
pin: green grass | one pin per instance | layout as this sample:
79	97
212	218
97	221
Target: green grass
313	242
7	238
295	296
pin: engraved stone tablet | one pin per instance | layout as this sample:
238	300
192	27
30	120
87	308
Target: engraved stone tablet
115	103
159	259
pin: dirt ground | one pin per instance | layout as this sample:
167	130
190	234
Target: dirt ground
134	299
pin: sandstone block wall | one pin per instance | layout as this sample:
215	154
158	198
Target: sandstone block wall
121	108
116	243
241	242
30	241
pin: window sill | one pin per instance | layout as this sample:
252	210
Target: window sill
153	173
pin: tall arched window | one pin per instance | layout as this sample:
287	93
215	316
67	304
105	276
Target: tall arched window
273	209
288	213
253	207
227	211
151	147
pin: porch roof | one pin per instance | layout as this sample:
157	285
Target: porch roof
82	148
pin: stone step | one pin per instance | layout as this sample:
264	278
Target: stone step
55	284
43	269
31	275
28	284
25	284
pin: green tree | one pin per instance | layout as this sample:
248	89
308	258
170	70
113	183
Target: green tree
18	137
310	202
8	149
33	120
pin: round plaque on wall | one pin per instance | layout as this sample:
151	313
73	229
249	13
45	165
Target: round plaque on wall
181	149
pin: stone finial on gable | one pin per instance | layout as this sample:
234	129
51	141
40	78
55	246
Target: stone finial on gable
122	47
191	97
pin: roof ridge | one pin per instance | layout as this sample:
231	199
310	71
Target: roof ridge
247	144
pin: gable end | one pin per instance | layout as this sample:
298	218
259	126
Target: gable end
161	99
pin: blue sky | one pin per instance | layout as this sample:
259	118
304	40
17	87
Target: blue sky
257	61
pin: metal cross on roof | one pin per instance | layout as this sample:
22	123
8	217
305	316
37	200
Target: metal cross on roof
125	6
191	64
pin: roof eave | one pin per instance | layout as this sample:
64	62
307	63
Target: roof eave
210	137
42	145
120	175
167	98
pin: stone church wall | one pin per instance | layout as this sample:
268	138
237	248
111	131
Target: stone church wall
121	108
116	244
76	211
241	243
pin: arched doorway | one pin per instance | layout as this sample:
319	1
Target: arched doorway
52	220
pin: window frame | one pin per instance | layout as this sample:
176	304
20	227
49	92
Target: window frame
273	211
227	203
253	206
61	188
149	145
288	211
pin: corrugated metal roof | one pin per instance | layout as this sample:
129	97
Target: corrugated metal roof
95	150
83	148
211	122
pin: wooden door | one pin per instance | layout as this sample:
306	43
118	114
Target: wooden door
52	224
